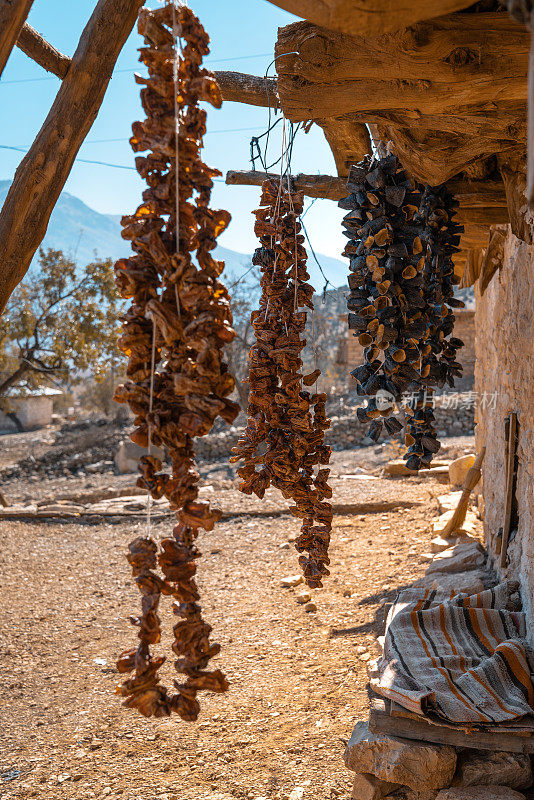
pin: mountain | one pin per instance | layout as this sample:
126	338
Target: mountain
80	231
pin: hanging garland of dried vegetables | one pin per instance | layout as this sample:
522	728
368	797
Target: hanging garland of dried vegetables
174	331
284	438
401	242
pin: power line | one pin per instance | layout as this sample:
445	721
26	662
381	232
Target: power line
83	160
134	69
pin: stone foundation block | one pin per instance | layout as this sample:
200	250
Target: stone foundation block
420	766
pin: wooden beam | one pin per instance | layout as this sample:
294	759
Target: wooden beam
237	87
32	43
348	139
369	19
512	169
481	205
514	738
325	186
434	157
435	67
42	173
13	15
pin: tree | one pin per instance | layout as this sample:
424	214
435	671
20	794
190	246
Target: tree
59	323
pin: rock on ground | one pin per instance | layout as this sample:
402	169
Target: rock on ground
460	558
367	787
423	767
470	582
480	793
459	468
483	769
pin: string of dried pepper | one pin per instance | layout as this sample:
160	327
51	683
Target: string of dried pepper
174	331
284	438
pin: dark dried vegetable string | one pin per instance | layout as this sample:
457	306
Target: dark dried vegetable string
402	238
178	382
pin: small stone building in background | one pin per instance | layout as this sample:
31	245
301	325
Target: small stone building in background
32	407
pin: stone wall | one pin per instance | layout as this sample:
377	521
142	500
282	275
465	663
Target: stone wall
505	372
346	432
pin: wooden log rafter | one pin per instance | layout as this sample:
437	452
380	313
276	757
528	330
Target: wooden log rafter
479	205
13	15
42	173
46	55
369	19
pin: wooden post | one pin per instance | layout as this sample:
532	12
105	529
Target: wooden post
3	501
509	489
42	173
13	15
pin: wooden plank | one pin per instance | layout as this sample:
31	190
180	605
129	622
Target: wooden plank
380	722
510	459
39	50
369	19
42	173
13	14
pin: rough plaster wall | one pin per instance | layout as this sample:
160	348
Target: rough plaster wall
505	366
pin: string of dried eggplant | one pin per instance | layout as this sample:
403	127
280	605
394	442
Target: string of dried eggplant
283	441
174	331
401	242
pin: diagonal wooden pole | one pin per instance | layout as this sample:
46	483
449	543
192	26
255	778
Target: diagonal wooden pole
13	15
43	171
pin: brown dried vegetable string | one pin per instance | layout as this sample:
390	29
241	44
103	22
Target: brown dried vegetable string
401	241
284	438
189	309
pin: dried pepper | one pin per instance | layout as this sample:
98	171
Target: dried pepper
174	331
401	241
283	441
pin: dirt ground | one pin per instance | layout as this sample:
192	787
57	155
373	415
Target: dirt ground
298	679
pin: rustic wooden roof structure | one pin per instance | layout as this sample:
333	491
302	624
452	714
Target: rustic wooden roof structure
443	81
448	91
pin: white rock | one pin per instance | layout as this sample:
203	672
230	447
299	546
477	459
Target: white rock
367	787
499	767
396	469
422	767
449	501
480	793
459	468
291	580
438	543
303	597
468	526
470	582
460	558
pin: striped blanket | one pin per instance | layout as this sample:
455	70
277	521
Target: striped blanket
460	658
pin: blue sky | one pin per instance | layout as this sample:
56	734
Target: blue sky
242	39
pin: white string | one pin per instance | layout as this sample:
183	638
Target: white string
176	32
150	404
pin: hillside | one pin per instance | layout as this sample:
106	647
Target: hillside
80	231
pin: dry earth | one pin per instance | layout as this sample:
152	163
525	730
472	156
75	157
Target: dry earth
298	679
